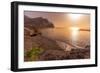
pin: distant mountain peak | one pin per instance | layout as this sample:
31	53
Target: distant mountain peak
38	22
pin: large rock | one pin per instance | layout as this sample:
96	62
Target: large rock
38	22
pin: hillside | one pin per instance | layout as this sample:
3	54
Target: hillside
41	48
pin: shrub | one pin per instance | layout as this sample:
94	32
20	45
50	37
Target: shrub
34	53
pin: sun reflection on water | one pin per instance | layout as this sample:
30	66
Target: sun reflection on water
74	33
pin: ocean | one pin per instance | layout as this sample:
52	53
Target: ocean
79	38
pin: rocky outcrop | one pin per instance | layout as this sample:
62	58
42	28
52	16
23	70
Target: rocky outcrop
33	37
38	22
52	50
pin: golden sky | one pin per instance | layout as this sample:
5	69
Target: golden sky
62	19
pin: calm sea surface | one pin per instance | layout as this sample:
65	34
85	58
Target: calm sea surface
80	38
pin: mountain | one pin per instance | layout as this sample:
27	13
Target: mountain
38	22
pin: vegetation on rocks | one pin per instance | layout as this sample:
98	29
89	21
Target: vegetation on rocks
34	53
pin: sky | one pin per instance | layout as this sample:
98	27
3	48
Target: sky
63	19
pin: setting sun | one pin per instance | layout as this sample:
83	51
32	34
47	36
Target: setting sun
74	16
74	28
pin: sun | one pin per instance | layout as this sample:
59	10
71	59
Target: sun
75	16
74	28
